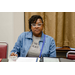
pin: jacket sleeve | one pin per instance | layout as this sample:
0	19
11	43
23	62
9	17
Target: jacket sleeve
52	48
17	46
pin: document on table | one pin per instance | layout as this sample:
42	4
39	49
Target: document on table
48	59
26	59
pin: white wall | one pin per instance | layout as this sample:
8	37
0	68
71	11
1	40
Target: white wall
11	26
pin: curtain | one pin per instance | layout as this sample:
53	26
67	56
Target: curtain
59	25
54	26
69	32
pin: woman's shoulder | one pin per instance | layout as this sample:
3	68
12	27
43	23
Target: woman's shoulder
25	33
49	37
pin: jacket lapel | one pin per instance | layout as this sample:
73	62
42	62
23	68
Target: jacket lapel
29	41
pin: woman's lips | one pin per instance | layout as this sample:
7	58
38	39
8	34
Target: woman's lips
37	30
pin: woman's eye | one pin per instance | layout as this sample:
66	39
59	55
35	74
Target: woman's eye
39	24
34	25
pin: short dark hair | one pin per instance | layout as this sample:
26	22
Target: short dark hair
33	19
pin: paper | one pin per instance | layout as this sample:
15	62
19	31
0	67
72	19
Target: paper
72	48
48	59
26	59
12	58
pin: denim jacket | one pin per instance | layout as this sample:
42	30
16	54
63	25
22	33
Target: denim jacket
25	40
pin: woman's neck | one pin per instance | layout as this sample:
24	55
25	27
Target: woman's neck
39	35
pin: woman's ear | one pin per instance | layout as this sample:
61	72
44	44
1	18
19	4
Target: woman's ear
43	24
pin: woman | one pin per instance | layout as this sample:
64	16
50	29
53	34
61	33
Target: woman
34	43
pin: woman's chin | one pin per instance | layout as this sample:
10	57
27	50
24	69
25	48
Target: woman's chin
37	34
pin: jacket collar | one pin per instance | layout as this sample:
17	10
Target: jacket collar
30	35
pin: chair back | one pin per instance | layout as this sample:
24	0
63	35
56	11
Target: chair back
71	55
3	50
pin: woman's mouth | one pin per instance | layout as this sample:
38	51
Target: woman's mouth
37	30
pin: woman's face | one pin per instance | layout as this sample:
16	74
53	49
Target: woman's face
37	28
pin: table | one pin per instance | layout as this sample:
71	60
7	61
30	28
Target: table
44	59
61	52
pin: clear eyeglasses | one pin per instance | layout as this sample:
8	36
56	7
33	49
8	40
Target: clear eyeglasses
38	25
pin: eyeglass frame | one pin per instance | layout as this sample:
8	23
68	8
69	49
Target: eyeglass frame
37	24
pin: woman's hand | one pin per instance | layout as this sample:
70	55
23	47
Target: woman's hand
13	54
